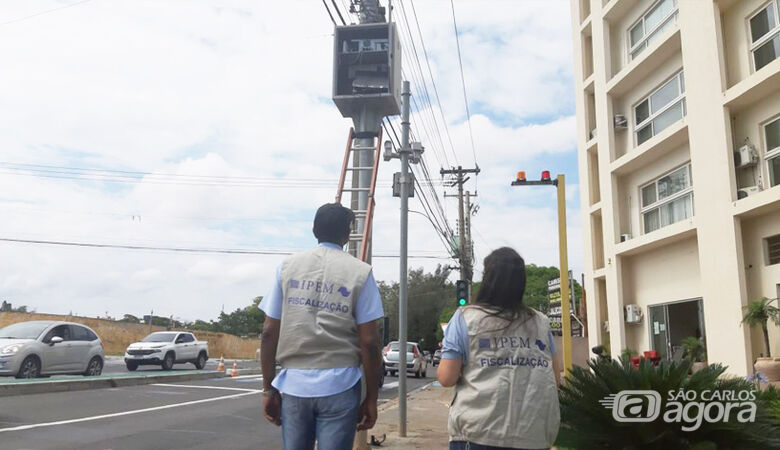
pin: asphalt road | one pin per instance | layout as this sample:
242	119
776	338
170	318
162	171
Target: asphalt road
209	414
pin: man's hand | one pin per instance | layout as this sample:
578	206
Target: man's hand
272	408
367	417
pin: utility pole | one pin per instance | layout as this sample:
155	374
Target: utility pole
466	272
408	153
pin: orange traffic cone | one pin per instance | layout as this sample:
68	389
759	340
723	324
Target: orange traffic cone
234	372
221	365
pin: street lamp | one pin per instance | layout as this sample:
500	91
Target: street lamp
560	184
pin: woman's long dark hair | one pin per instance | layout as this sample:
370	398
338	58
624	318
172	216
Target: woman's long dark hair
503	284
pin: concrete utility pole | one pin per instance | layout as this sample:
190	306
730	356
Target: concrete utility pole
408	153
466	271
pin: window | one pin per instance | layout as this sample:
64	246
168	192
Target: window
772	140
667	200
765	34
184	338
79	333
773	249
659	18
660	109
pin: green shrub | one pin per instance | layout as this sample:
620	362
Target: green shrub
586	424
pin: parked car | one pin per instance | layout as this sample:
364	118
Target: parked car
428	357
436	357
415	361
44	347
166	348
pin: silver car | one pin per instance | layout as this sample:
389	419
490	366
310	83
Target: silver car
41	347
415	361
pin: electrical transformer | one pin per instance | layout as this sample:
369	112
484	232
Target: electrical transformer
367	69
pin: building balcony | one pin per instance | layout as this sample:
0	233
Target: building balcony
757	86
589	84
757	204
667	140
595	208
661	237
649	60
615	9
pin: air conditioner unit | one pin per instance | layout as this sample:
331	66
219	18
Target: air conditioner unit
748	191
593	133
632	313
605	326
746	156
620	121
625	237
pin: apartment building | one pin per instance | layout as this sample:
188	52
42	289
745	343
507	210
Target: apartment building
678	122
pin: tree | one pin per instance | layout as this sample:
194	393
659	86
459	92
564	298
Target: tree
758	313
428	295
243	321
129	318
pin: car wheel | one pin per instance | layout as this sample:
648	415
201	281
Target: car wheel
417	373
201	362
167	363
95	367
381	380
30	368
131	366
392	373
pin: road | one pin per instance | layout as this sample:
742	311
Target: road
209	414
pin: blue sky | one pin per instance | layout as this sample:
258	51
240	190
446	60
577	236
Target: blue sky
236	88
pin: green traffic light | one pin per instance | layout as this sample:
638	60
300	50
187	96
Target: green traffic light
462	301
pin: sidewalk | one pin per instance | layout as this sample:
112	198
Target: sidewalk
426	418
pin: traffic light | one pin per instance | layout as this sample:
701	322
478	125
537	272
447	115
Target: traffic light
462	292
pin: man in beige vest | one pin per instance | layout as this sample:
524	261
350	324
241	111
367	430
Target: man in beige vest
320	325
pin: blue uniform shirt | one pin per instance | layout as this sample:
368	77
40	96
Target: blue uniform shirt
322	382
456	339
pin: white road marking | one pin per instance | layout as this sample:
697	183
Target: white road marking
241	377
205	387
125	413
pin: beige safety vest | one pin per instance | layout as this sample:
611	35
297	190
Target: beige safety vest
506	395
318	329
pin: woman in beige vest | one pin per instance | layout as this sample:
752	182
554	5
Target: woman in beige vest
498	353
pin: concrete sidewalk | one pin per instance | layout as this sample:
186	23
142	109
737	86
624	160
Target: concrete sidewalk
426	417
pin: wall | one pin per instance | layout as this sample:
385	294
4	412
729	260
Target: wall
663	275
116	336
736	39
762	280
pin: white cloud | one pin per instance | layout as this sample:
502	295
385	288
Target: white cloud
241	89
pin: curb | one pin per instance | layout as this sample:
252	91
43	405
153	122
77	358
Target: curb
40	387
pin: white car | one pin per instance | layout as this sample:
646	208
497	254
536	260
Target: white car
415	361
44	347
166	348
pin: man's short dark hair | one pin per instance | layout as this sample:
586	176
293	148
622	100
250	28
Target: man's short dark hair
333	223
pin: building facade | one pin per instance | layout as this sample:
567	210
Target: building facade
678	122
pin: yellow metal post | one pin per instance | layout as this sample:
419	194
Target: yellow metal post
565	296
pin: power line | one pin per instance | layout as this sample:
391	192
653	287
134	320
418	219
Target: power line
463	81
182	249
329	13
44	12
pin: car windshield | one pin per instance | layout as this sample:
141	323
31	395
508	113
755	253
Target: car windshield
24	330
160	337
394	347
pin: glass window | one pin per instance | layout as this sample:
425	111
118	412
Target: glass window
648	195
774	170
772	133
667	200
159	337
660	17
24	330
762	23
765	35
665	95
642	111
79	333
657	110
767	53
773	249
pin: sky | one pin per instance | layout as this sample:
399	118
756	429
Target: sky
230	88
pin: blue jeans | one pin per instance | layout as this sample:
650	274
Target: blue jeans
331	420
463	445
